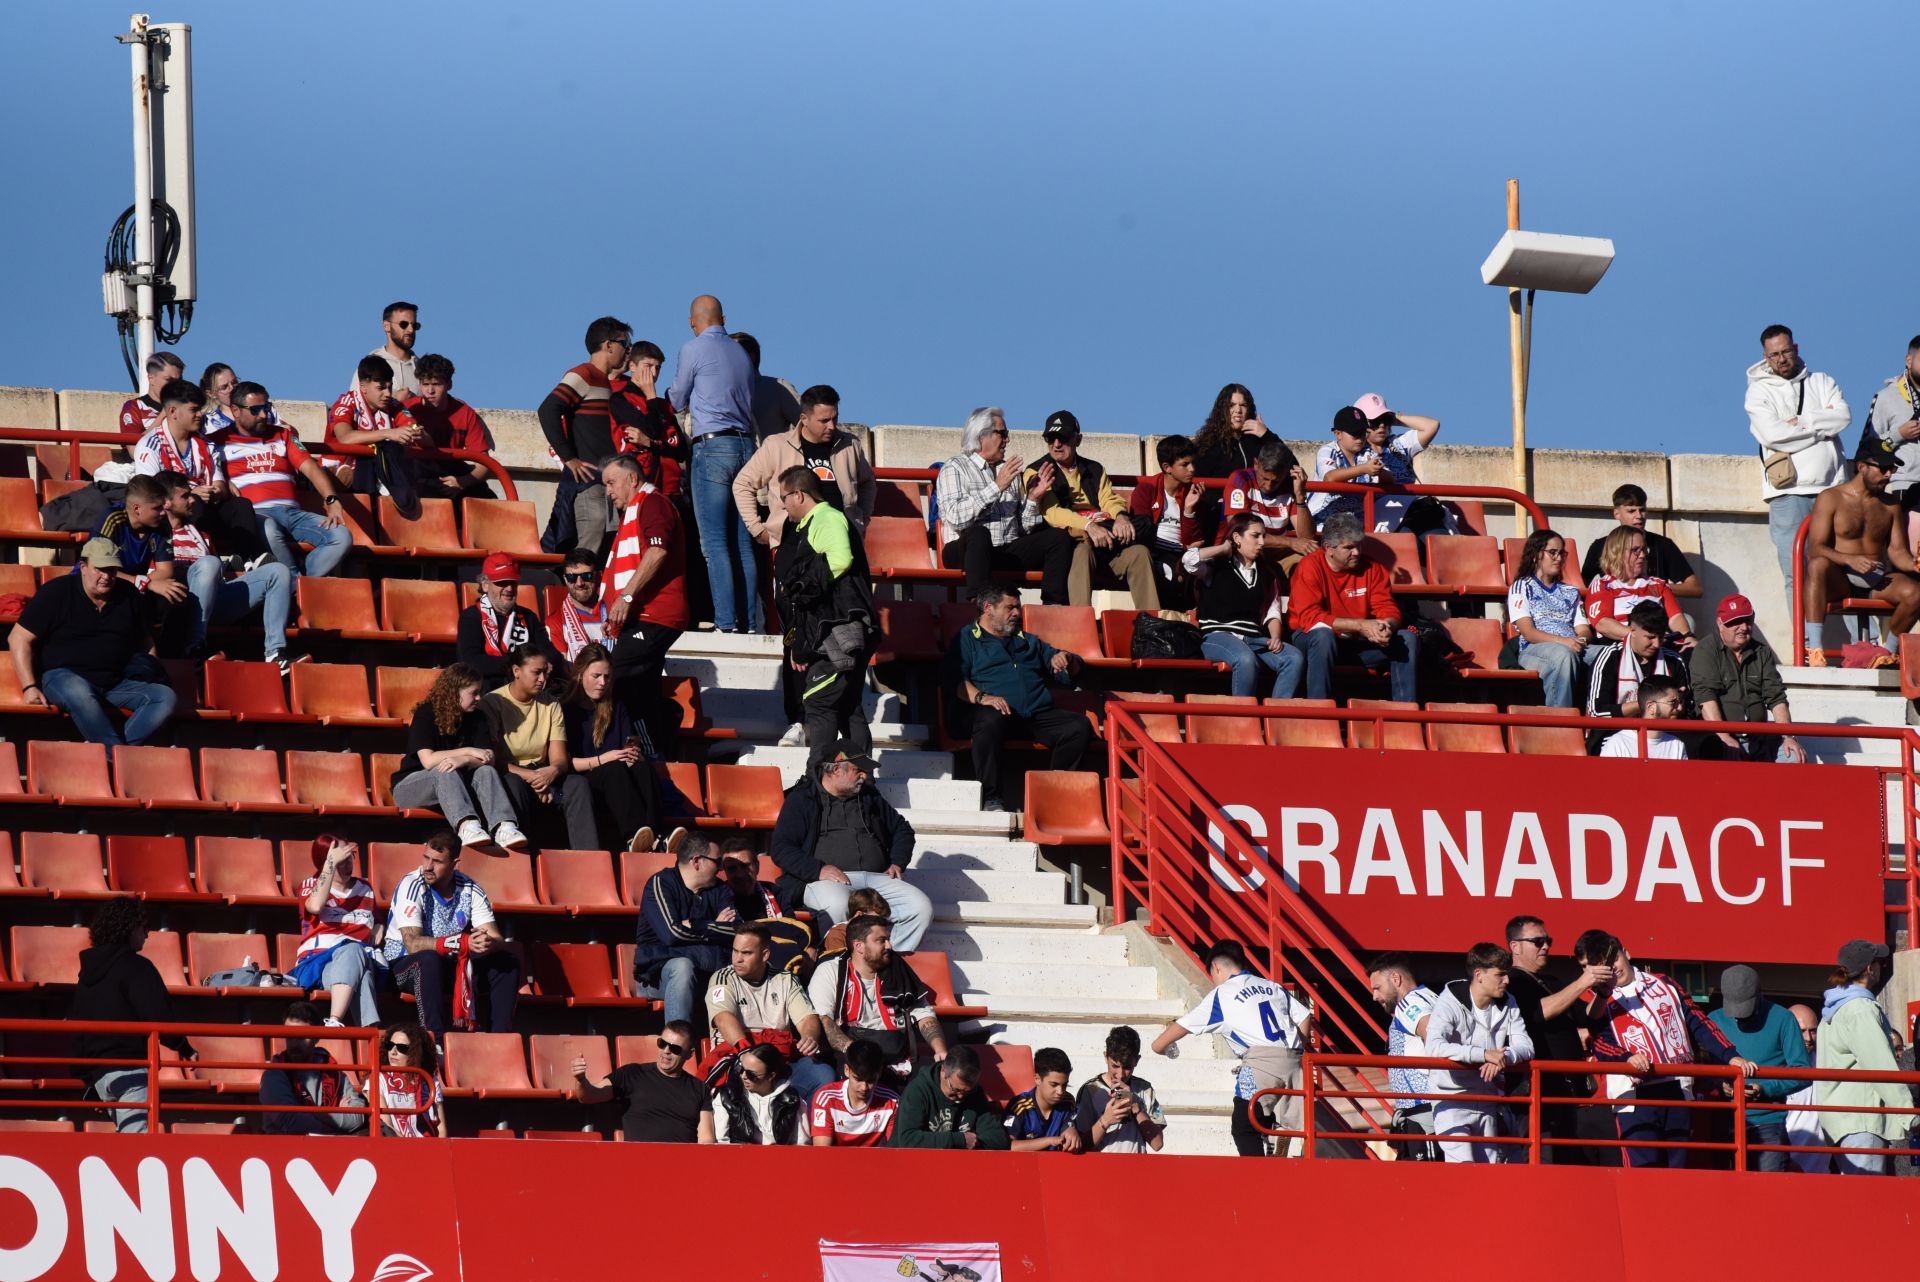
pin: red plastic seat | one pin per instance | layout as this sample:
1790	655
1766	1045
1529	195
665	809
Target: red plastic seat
1547	740
581	881
1479	639
75	773
65	863
19	509
502	525
48	954
250	691
9	878
901	498
213	1052
1468	562
11	791
636	869
20	580
12	697
1399	736
907	633
168	953
577	974
694	721
427	611
398	691
1066	808
1472	514
552	1057
353	511
41	1125
247	779
897	547
488	1066
239	869
430	532
1464	738
1067	627
1398	555
203	1128
210	952
636	1048
333	783
336	693
1005	1071
1289	732
936	972
1224	729
508	880
1116	635
388	863
151	867
341	608
158	778
685	775
748	795
1161	727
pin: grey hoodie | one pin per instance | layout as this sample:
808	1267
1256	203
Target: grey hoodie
1458	1031
1894	406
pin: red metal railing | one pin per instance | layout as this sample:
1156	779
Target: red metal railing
158	1060
1311	1092
74	440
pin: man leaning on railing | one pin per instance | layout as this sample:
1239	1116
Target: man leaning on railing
1854	1035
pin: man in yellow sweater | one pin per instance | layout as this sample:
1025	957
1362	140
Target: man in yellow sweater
1081	501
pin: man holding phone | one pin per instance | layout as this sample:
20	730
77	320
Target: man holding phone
1117	1112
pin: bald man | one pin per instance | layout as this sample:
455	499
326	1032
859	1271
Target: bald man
1803	1125
713	382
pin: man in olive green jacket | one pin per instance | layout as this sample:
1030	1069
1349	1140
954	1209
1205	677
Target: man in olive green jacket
1854	1035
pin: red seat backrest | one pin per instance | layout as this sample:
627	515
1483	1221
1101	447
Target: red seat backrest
898	543
1397	554
241	775
578	879
338	605
1287	732
1398	736
148	865
414	605
153	774
553	1055
70	770
1064	627
500	525
398	691
1464	738
64	862
331	690
236	866
1480	639
326	779
432	526
246	687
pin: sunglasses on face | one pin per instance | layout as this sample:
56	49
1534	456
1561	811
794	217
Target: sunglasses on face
402	1047
751	1078
1538	941
406	324
264	407
670	1048
581	578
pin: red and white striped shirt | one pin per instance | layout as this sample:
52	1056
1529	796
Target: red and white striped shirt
847	1127
347	914
189	544
156	453
138	415
262	467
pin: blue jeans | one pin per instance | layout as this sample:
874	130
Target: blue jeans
675	991
1557	666
911	911
268	589
284	523
1246	660
1767	1133
810	1073
724	543
1655	1119
1784	515
148	704
1321	645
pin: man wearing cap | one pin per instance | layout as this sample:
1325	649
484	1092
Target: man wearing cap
1366	451
96	625
1857	546
1765	1033
1796	417
494	624
1736	677
836	834
1854	1034
1081	501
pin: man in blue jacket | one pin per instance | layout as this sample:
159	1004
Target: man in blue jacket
836	834
686	929
1007	675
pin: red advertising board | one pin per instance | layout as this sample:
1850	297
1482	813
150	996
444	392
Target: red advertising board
1432	851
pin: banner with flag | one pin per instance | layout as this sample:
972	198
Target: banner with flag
930	1261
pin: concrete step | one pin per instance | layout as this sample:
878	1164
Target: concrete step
1010	944
959	886
1198	1066
1035	1007
1012	981
1009	857
976	912
894	762
973	823
725	645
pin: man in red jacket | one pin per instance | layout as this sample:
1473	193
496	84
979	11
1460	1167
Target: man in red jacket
1340	605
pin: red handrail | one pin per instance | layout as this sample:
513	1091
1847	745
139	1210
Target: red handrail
1310	1091
75	439
154	1062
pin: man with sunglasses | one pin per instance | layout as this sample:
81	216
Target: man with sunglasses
261	455
401	323
1546	1005
581	620
990	511
1081	501
685	931
665	1104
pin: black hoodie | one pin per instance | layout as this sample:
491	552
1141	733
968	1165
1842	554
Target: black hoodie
118	984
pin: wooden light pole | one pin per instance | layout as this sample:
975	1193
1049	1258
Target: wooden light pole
1520	342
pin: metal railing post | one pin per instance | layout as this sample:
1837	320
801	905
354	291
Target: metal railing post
1116	728
153	1082
1310	1142
1533	1116
1740	1122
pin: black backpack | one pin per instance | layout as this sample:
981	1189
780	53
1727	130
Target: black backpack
1157	638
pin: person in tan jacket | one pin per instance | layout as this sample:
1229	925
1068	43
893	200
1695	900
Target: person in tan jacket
815	443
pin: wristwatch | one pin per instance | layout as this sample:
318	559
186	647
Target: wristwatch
332	499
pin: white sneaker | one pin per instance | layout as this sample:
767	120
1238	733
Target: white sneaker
473	833
509	837
795	737
334	1023
642	842
676	839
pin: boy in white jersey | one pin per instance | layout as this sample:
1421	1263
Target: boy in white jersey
1268	1030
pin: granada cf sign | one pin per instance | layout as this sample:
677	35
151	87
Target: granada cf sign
1433	851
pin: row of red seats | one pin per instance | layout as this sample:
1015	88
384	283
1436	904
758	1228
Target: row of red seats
1545	739
248	781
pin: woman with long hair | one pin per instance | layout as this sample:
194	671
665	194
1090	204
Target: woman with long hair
218	381
1231	437
453	764
1625	583
608	749
340	934
1546	613
1241	622
405	1046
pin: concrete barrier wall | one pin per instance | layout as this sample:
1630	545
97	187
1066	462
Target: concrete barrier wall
1707	503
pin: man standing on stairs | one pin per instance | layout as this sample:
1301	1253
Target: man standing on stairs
826	604
1478	1025
644	592
1006	674
1268	1029
1796	417
836	834
1408	1003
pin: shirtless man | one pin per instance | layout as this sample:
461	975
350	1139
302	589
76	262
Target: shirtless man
1855	547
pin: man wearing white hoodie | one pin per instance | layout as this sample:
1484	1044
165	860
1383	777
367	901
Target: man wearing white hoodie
1478	1025
1797	417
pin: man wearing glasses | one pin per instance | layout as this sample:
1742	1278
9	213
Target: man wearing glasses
401	321
261	455
1546	1005
1660	700
581	620
577	420
1736	677
686	928
177	444
665	1104
990	511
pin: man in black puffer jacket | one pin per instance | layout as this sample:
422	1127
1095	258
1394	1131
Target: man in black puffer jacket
836	834
118	984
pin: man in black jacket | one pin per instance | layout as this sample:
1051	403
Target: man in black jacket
118	984
826	601
836	835
490	627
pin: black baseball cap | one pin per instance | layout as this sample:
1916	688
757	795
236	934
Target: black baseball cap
842	751
1877	451
1061	423
1351	420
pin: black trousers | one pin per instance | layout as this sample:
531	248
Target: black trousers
233	527
1066	735
628	796
639	665
429	977
833	705
1047	550
1247	1140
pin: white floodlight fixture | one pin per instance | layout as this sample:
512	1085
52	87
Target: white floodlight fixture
1543	260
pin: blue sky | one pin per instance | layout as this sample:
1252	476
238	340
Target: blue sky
1113	208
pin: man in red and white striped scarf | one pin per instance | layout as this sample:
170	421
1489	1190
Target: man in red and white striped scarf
644	592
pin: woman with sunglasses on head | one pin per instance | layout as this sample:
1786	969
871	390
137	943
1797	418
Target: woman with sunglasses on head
757	1104
452	764
609	750
665	1103
1548	618
404	1046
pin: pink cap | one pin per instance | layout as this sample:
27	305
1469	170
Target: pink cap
1373	405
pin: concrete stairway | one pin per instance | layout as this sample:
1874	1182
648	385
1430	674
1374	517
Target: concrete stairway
1045	970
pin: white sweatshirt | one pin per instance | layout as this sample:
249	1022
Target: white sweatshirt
1813	439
